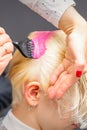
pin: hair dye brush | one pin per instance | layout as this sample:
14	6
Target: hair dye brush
25	47
30	48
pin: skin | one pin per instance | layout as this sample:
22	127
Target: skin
43	112
6	49
75	26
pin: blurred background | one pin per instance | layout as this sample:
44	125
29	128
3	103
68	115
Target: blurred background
18	20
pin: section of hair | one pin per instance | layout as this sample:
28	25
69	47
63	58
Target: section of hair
24	70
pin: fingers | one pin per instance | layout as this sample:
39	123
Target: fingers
4	38
2	30
6	49
4	62
60	69
5	55
56	74
6	45
64	82
53	90
80	68
64	77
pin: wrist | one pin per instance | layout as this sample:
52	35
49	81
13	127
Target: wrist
70	20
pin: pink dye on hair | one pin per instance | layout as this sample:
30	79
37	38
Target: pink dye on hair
40	43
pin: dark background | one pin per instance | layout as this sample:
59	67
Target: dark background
18	20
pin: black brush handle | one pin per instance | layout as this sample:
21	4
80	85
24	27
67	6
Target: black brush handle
26	47
16	44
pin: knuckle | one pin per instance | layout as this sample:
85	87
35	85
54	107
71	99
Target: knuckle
7	37
2	30
10	47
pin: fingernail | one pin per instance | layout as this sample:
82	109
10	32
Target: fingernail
78	73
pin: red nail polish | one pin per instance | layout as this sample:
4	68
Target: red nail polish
78	73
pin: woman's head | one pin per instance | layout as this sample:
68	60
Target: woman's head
34	75
23	70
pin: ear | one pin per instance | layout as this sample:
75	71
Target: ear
32	93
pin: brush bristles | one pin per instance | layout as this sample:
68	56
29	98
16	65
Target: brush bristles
26	48
30	49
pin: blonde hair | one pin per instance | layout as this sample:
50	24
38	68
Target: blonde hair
24	70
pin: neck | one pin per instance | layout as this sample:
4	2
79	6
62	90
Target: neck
26	115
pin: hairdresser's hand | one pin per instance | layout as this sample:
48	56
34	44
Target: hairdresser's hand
6	49
74	63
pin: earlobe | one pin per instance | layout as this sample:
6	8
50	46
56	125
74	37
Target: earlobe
31	93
